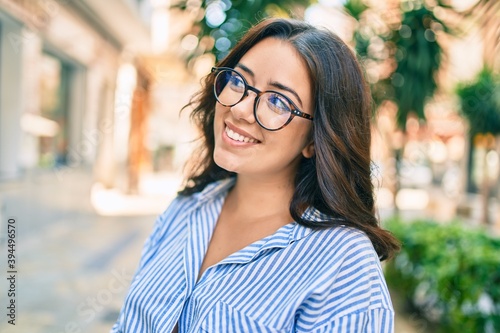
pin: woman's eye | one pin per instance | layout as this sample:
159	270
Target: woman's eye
236	82
278	103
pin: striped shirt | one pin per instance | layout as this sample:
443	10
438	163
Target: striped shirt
295	280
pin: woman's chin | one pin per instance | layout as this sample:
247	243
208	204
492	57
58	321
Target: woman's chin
225	163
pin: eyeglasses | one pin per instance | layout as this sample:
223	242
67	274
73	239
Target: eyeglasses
271	109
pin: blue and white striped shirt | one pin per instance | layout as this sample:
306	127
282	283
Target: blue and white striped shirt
295	280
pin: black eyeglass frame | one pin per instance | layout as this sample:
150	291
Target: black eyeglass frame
294	112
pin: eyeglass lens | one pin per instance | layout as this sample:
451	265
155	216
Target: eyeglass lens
271	109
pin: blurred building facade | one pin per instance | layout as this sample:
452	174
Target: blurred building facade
59	62
97	83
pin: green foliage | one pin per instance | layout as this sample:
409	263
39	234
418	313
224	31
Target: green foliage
450	273
408	47
224	22
418	57
480	103
355	8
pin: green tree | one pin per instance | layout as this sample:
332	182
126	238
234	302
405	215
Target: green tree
477	98
480	104
403	40
401	55
222	22
418	57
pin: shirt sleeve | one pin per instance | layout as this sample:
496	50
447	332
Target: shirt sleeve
160	229
351	295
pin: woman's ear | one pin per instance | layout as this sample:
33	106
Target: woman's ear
308	150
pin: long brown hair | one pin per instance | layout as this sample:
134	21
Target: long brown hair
337	180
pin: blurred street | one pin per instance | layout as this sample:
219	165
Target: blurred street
74	265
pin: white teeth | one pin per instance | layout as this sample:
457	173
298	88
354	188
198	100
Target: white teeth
238	137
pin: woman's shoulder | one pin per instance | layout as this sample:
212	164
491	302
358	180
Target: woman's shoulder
343	254
340	236
346	237
341	244
346	282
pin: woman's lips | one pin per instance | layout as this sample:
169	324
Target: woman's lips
238	135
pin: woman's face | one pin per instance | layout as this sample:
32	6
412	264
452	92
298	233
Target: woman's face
272	64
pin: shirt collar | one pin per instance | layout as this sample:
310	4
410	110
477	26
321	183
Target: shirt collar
214	190
314	215
298	231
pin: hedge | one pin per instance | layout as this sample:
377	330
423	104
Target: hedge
450	273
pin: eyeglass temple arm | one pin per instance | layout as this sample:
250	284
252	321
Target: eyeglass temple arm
302	114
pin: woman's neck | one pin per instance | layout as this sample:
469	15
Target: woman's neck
257	197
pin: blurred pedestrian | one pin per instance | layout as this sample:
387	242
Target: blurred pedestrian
275	229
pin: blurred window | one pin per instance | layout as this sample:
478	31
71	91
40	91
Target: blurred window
54	104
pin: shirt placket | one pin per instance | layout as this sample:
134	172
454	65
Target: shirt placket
200	229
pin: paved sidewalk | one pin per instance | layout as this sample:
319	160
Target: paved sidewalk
75	265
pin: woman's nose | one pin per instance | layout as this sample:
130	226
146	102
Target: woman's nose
244	109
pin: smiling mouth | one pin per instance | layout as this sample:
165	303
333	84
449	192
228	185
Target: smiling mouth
238	137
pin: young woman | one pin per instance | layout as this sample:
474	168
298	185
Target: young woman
275	230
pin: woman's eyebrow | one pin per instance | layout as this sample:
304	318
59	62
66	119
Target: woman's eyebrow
283	87
246	69
273	83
